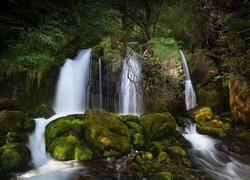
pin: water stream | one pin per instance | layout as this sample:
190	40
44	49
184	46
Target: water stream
219	165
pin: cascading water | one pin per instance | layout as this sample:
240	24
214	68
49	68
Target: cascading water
71	84
100	81
190	97
218	164
130	92
71	97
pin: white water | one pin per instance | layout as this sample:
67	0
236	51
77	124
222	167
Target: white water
190	97
100	81
218	164
72	86
71	98
130	94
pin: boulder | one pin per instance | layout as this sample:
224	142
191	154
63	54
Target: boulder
14	157
209	123
158	125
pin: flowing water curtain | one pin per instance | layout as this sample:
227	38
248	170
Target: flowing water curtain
130	91
190	97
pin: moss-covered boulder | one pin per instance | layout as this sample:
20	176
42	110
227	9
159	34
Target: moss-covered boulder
63	138
158	125
9	104
106	131
209	123
14	157
79	136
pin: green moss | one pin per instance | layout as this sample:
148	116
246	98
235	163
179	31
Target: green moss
148	155
105	131
163	176
138	140
177	150
129	117
14	157
111	153
158	125
64	148
83	154
187	162
63	127
204	114
29	124
132	125
11	121
106	154
162	156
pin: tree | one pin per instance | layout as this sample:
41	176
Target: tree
139	16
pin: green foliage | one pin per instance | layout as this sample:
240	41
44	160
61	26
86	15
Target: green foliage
164	48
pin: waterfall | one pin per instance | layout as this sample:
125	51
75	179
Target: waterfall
72	87
100	81
190	97
216	163
71	97
130	92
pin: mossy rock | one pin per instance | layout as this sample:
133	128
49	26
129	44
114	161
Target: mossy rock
177	151
209	123
130	117
106	131
64	148
163	175
63	127
14	157
43	110
9	104
138	141
162	156
83	153
158	125
136	127
11	121
29	125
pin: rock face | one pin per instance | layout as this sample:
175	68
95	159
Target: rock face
209	123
